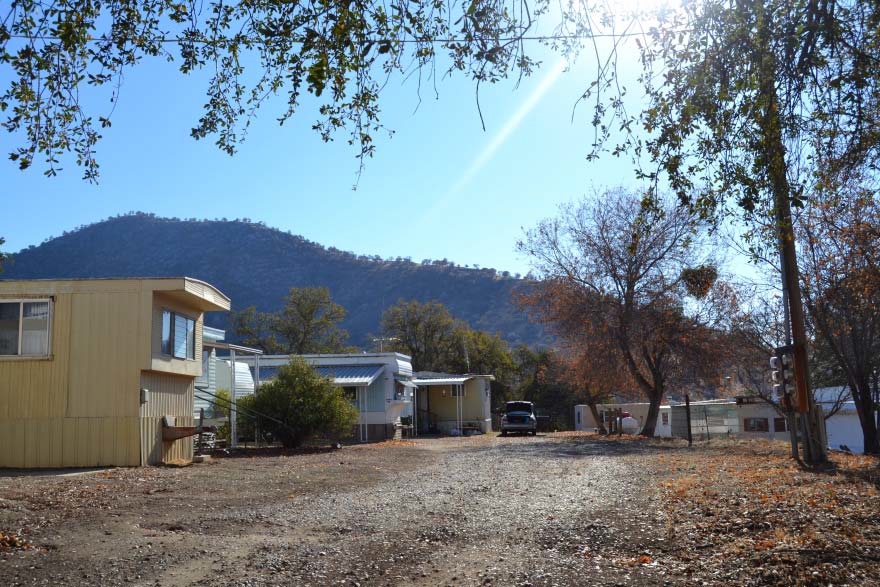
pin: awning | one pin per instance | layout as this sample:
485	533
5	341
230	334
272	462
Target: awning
350	375
406	383
441	381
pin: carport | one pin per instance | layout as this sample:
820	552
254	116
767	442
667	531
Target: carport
451	404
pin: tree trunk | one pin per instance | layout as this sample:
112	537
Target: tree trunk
599	424
650	425
869	434
865	408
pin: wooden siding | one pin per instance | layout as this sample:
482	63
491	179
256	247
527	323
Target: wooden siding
170	395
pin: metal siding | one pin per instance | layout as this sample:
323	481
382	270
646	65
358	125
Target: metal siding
79	407
244	382
376	396
37	388
164	363
208	381
48	408
170	395
103	370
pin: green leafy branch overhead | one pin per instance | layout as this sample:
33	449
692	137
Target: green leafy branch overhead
342	53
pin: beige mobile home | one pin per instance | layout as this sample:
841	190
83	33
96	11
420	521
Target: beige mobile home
90	369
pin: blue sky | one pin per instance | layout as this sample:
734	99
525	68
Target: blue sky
441	187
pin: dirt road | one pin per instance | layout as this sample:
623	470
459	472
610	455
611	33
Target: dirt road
556	510
474	511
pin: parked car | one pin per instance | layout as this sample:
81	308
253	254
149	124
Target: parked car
519	417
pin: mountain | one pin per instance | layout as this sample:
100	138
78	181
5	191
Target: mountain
256	265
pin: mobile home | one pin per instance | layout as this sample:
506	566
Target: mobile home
97	372
379	385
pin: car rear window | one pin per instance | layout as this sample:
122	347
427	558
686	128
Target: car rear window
518	407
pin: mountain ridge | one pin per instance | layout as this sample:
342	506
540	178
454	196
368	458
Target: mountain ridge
256	265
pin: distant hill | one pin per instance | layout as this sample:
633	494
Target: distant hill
256	265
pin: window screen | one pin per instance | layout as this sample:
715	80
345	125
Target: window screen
35	329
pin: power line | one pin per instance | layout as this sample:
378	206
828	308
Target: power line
227	404
363	41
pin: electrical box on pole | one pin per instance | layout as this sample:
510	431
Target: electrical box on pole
782	374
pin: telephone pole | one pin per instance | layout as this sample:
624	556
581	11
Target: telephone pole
773	149
810	420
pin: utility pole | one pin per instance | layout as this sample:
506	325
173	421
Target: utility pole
773	148
814	450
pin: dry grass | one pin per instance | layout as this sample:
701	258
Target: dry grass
766	520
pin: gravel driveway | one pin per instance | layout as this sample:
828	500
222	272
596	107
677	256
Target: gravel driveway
457	511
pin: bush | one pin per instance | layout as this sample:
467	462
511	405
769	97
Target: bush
306	404
245	422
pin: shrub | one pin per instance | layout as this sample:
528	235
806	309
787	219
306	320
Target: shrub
220	404
306	404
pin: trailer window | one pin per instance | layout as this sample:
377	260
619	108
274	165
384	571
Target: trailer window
756	425
24	328
779	425
178	335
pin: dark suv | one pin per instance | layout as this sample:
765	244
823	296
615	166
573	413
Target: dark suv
519	417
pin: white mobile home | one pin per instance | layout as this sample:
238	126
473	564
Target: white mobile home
743	417
206	383
583	417
217	373
379	385
843	428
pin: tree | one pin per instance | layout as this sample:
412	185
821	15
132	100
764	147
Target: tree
757	329
427	332
221	404
753	103
841	277
340	53
303	405
437	341
593	368
481	353
748	102
2	256
306	324
254	329
246	424
614	268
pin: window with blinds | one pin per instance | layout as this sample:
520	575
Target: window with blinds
178	335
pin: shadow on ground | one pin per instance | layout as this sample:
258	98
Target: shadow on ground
579	447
